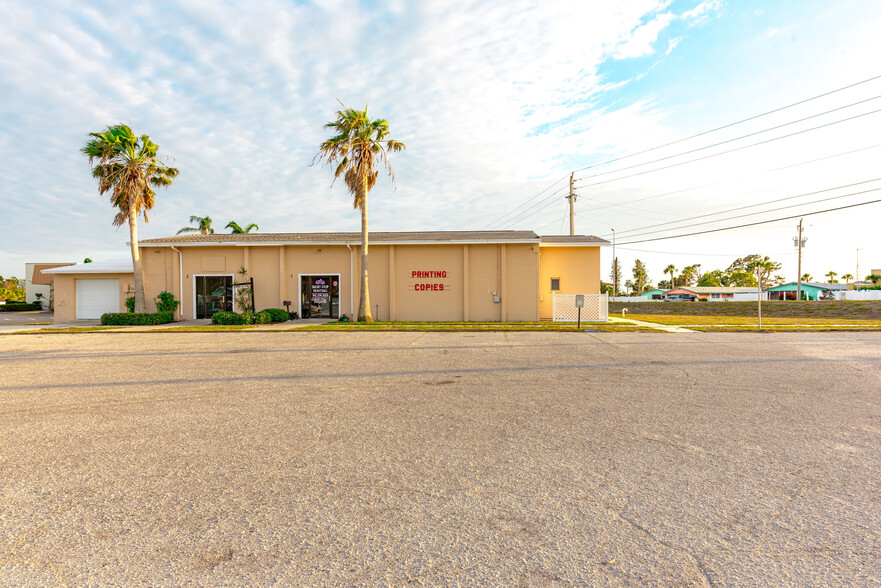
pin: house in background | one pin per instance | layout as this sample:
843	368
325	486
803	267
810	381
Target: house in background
809	290
655	294
36	282
713	293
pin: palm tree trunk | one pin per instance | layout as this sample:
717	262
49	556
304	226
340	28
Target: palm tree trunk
140	297
364	314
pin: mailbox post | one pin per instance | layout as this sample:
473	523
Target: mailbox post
579	304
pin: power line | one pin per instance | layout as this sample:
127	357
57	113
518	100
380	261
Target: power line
693	254
521	217
730	124
718	220
764	222
742	147
766	202
737	179
695	150
527	202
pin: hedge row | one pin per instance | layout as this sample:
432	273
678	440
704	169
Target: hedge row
137	318
270	315
20	306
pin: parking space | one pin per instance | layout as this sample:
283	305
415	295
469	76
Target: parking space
315	458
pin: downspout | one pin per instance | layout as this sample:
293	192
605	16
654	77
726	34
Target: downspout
351	281
180	275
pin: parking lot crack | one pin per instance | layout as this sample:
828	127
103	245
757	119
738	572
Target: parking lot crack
703	575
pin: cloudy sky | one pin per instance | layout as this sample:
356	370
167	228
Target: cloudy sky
497	102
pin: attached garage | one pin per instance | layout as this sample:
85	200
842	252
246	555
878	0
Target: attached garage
94	297
88	290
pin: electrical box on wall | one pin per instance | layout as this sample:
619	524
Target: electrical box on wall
497	298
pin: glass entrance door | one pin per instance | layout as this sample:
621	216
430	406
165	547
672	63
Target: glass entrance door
320	297
213	294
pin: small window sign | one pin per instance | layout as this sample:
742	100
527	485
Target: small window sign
579	301
555	284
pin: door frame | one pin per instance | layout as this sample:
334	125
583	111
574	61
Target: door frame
300	290
195	308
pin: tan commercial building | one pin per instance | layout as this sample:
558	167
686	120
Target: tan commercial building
419	276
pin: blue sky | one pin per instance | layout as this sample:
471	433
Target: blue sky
495	100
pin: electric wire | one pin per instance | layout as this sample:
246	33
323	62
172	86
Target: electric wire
742	147
525	203
520	217
726	141
754	117
764	222
766	202
728	181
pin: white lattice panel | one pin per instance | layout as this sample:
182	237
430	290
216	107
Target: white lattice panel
596	308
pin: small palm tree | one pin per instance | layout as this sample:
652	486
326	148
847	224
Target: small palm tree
847	278
807	278
669	270
874	278
359	146
203	225
831	275
238	230
129	167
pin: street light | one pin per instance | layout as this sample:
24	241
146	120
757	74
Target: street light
614	268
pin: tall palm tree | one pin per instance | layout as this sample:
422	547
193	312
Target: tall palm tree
358	148
238	230
129	167
831	275
669	270
203	225
847	278
807	278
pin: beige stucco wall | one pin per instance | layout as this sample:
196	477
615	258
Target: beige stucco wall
578	269
65	292
475	273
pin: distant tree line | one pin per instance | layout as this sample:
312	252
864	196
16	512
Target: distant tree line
11	288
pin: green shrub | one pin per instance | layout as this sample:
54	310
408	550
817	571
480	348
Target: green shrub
130	303
165	302
230	318
278	315
261	318
137	318
18	306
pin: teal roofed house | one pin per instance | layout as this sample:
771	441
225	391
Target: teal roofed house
655	294
809	290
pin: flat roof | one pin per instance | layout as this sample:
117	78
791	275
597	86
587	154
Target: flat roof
379	237
107	266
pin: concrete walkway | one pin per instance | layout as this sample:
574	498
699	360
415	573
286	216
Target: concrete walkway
648	325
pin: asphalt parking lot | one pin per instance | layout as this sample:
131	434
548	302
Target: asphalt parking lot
536	459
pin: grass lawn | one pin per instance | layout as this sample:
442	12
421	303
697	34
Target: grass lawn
703	320
867	310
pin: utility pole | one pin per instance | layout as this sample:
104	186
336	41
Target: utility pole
800	242
572	199
614	267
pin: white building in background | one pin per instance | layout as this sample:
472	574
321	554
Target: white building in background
36	282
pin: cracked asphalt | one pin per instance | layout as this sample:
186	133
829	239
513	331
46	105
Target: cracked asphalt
533	459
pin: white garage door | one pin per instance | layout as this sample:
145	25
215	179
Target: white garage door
95	297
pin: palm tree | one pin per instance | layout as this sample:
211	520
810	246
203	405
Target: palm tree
807	278
831	275
669	270
203	226
238	230
874	278
847	278
129	168
358	147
